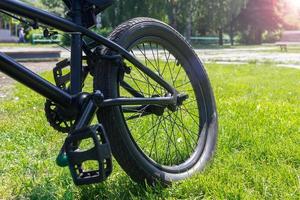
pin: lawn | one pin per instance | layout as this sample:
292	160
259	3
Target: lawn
13	45
258	154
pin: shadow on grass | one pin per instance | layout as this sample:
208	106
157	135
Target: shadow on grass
120	187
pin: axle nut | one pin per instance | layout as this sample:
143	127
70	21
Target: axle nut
98	97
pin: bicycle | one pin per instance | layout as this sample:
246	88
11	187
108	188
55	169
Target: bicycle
153	100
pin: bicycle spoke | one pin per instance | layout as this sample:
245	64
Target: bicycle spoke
139	115
174	142
157	67
156	123
170	138
154	87
145	77
171	73
155	61
183	84
167	60
179	124
168	145
191	114
180	127
155	135
147	59
134	80
130	89
174	123
157	54
177	75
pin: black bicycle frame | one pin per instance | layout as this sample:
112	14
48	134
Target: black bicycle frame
55	94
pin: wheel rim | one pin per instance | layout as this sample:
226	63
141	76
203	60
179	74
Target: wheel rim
172	141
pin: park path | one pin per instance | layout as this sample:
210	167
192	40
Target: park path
245	55
6	82
259	55
222	56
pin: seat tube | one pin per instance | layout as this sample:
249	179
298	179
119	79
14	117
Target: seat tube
76	50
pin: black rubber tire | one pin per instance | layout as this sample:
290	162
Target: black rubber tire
123	147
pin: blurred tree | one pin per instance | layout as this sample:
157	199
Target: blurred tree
216	17
233	10
191	17
181	14
35	3
124	10
257	17
55	6
8	19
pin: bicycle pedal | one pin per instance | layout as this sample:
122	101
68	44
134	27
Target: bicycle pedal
89	155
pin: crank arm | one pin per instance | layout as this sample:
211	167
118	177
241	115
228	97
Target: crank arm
83	121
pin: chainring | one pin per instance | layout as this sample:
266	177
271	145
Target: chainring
59	118
56	119
55	115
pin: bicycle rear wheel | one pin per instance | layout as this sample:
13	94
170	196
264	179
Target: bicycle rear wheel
153	142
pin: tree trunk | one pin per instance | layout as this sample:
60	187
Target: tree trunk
258	36
174	22
188	30
231	34
255	35
251	36
172	14
221	37
188	33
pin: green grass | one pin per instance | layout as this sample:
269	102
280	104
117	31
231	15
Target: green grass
258	154
11	45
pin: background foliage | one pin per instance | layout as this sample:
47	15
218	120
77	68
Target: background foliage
250	20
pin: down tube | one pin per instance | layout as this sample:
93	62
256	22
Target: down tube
33	81
44	17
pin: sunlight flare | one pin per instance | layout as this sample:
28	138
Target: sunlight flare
294	3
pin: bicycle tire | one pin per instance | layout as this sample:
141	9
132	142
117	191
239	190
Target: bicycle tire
131	157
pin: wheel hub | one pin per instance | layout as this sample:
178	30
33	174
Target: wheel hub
155	109
181	98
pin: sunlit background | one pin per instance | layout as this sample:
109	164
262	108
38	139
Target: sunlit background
290	11
251	50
